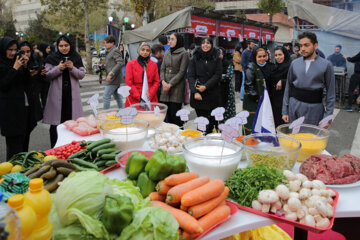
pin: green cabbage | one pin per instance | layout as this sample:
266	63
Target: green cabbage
151	223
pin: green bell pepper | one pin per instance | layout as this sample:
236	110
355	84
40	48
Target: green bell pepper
158	168
145	184
118	213
177	162
135	165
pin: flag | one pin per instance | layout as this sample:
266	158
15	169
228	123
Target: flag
114	31
241	39
229	37
145	90
264	118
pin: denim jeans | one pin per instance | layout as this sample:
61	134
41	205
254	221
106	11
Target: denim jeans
111	90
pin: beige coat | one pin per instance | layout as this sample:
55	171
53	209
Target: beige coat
173	70
237	61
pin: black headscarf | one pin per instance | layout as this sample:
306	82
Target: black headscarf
56	57
32	62
225	62
42	47
179	42
5	43
282	68
212	54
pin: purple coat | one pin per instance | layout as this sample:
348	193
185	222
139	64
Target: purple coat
52	112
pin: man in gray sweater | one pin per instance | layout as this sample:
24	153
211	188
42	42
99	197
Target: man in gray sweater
113	65
308	76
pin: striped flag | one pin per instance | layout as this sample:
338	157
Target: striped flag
264	118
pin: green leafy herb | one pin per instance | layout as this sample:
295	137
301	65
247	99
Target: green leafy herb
245	184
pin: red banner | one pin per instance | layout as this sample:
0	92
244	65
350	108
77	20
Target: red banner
268	34
251	32
228	29
201	25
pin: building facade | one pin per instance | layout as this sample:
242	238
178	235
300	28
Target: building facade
25	10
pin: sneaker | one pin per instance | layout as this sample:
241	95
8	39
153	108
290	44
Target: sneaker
348	108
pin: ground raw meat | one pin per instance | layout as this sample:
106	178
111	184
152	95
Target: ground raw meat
332	169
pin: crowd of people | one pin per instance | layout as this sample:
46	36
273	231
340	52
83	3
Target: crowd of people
39	83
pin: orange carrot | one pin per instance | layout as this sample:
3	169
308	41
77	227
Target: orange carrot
222	203
175	205
162	187
175	193
176	179
186	222
155	196
185	209
201	194
217	215
201	209
186	236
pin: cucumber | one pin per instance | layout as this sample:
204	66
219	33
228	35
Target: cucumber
104	151
54	183
78	154
81	168
103	146
84	163
62	163
100	163
110	163
97	143
109	156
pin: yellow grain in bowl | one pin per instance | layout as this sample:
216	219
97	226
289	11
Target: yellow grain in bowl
191	133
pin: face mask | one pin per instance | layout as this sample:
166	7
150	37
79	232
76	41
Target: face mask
261	65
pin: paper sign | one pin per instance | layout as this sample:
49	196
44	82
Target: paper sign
127	115
201	123
94	102
218	113
295	125
157	111
183	114
233	122
242	116
228	132
326	120
124	91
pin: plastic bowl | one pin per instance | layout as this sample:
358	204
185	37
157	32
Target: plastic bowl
125	136
279	151
313	139
107	115
212	156
149	115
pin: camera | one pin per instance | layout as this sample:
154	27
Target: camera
20	53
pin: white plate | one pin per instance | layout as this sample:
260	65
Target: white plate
351	185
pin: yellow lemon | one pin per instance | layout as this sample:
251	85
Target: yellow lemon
16	168
5	168
49	157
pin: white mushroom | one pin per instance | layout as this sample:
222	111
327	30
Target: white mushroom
300	213
313	211
268	197
304	193
289	175
294	195
283	191
291	216
330	210
317	218
318	184
322	208
330	200
277	205
324	193
309	220
256	205
331	193
295	185
307	184
273	209
265	208
286	208
301	177
294	204
315	191
323	223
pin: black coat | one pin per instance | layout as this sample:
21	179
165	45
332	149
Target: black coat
14	119
205	69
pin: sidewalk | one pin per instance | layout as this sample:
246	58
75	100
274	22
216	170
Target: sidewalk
90	78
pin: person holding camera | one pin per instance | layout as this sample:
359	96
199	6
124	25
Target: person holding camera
205	71
64	69
16	102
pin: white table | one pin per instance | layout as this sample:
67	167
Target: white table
242	221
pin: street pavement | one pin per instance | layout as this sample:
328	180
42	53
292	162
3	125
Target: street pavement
345	130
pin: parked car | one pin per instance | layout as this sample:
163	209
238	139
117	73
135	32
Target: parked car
102	52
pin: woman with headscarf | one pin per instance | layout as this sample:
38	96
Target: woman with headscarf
135	77
64	69
227	88
237	68
45	50
205	71
172	77
16	102
278	81
257	77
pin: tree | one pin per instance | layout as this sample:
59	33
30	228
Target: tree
7	23
271	7
72	12
38	32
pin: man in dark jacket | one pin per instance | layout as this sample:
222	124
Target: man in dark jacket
246	55
354	81
337	59
157	55
113	66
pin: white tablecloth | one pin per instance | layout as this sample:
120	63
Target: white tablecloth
242	221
